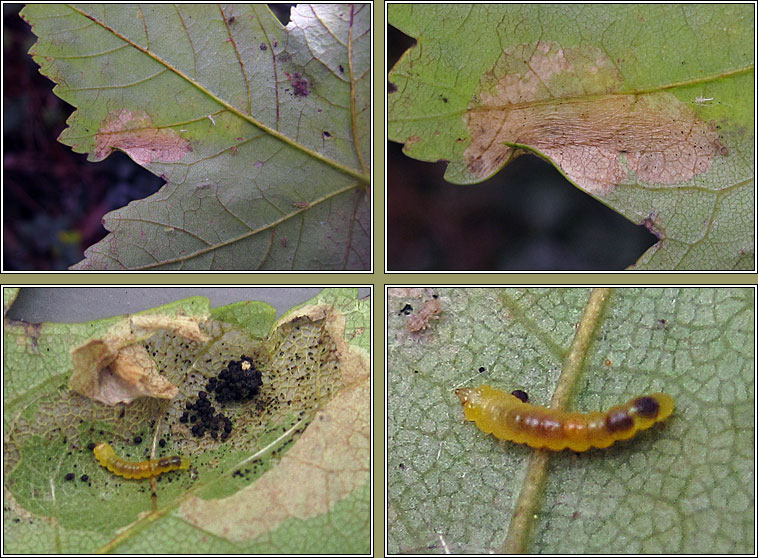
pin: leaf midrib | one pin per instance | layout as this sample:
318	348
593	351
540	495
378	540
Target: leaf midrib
362	177
575	98
238	238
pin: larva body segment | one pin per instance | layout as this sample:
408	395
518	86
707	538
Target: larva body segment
506	417
107	457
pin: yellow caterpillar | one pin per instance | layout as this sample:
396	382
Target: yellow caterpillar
107	457
508	418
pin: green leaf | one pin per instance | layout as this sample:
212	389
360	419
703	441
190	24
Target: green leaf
683	487
647	108
9	297
261	131
293	477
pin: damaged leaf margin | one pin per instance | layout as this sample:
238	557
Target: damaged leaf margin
115	368
564	104
328	463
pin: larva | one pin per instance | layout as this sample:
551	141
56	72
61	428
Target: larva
107	457
508	418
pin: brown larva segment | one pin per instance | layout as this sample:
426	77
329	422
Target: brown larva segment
521	395
617	419
646	406
167	462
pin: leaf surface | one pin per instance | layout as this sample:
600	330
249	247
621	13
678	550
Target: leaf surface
261	131
454	489
310	420
647	108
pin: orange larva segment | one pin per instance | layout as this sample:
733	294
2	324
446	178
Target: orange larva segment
508	418
107	457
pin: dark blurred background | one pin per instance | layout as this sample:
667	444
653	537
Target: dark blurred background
82	304
527	217
53	199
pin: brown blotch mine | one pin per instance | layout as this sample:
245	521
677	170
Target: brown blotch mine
563	103
135	133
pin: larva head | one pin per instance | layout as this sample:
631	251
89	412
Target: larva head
471	397
465	394
103	451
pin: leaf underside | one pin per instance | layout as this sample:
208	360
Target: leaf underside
647	108
453	488
262	132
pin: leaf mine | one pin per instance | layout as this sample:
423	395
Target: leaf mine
114	368
563	102
136	135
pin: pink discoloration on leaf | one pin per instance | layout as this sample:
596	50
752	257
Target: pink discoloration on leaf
136	135
562	103
652	223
